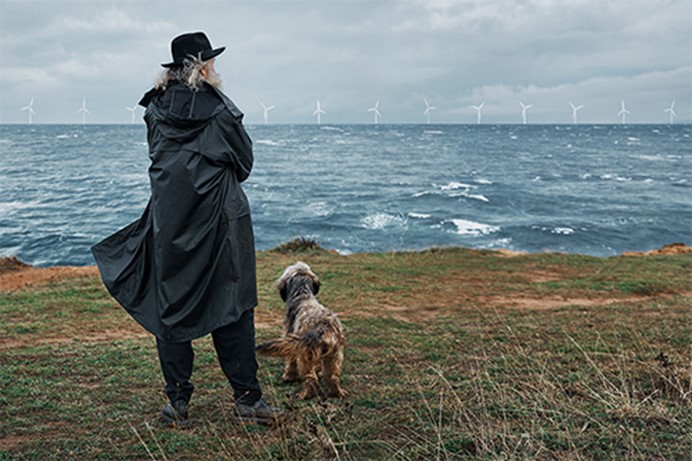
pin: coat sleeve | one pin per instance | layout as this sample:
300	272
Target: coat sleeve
232	145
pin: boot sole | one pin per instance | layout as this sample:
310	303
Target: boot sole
258	420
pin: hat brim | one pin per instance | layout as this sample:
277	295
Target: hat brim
205	57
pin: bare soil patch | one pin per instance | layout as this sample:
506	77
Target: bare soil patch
672	249
16	275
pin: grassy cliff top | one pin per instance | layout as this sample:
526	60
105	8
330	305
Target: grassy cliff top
451	354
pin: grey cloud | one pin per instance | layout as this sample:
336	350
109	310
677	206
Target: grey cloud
350	53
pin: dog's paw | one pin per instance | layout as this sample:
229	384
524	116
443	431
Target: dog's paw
290	378
338	393
307	394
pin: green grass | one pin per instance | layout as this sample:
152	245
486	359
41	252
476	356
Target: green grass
471	380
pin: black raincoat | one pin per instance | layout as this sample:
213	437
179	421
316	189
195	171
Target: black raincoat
187	266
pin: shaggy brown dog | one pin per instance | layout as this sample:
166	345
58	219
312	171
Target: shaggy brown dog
313	339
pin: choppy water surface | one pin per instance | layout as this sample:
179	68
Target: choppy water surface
597	190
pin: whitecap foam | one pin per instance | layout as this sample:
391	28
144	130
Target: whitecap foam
423	193
267	142
562	231
480	197
320	209
432	132
419	216
615	177
465	227
379	221
483	181
456	185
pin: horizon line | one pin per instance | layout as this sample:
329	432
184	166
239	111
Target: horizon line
371	123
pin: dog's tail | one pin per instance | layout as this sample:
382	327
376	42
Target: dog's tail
308	345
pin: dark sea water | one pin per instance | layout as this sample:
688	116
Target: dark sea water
597	190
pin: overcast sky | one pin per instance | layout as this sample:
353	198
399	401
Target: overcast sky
350	53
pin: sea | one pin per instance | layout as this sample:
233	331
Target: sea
590	189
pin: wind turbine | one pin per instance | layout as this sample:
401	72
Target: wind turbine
670	109
132	109
623	111
376	110
318	112
266	112
83	111
30	108
574	112
524	108
428	109
478	112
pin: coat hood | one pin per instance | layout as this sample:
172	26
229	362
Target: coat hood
180	113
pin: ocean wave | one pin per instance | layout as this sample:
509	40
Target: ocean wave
267	142
320	209
419	216
483	181
562	231
455	185
466	227
423	193
379	221
615	177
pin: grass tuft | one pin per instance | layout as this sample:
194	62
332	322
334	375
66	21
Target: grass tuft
298	245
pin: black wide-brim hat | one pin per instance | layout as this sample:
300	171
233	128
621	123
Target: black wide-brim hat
192	45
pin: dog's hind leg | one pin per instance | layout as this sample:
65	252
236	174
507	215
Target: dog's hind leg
291	373
332	374
307	370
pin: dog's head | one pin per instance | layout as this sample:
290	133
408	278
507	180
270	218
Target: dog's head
295	277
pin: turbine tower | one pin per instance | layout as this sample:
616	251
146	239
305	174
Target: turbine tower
376	110
83	110
478	112
30	108
132	110
318	112
428	109
574	112
670	109
623	111
266	112
524	108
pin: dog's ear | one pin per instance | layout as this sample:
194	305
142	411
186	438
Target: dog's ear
283	288
315	284
283	291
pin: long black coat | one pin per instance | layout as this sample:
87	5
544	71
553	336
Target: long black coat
187	266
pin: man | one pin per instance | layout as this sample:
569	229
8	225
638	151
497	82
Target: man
186	268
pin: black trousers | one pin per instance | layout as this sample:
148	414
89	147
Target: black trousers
235	348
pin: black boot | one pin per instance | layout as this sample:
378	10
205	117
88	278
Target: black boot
260	412
176	414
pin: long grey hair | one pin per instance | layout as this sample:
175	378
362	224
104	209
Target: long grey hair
190	74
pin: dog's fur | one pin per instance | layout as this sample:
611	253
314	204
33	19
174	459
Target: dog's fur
313	339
